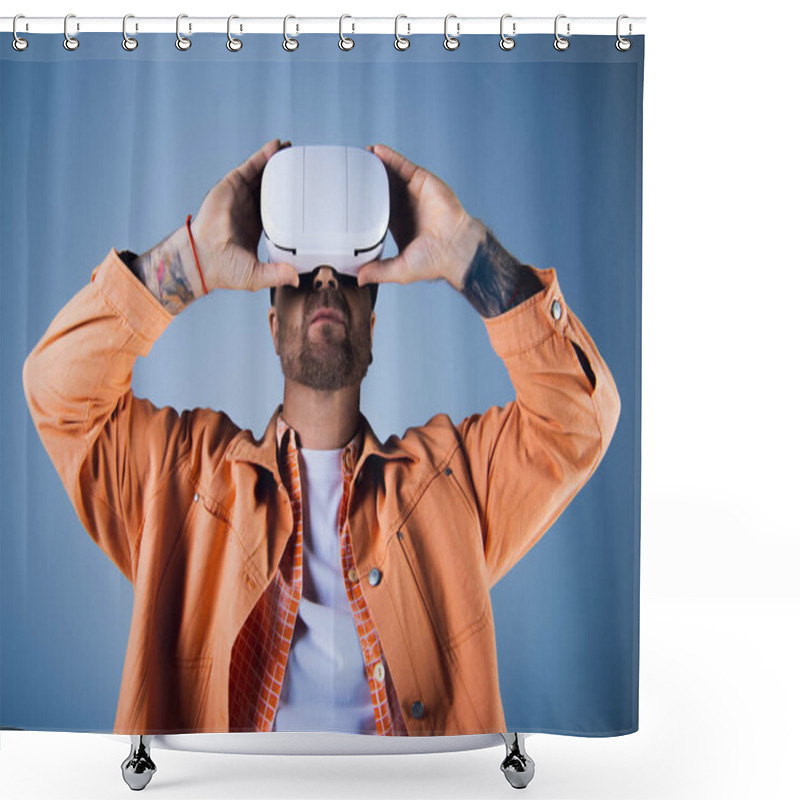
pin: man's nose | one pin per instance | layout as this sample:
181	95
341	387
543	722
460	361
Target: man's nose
326	278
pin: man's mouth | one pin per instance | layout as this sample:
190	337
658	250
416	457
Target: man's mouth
327	315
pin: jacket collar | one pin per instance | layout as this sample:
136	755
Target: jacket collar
264	452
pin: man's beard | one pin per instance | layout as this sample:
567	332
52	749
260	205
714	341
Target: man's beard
329	364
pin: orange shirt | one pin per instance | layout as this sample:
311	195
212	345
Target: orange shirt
195	513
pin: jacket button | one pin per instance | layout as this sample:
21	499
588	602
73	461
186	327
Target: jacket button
196	497
379	673
418	710
353	575
375	576
555	309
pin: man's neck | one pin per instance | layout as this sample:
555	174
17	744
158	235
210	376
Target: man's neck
321	420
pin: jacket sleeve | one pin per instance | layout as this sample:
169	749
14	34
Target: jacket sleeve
529	458
112	450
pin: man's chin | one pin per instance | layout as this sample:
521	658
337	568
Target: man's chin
325	364
328	331
325	377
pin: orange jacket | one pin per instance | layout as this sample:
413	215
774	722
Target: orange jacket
193	511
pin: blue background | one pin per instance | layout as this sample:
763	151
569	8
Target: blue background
101	147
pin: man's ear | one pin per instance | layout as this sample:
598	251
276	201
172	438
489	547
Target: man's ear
273	327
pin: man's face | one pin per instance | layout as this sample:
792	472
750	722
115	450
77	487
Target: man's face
323	331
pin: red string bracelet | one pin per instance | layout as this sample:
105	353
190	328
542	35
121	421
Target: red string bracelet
194	250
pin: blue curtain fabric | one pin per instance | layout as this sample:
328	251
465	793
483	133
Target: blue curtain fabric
106	148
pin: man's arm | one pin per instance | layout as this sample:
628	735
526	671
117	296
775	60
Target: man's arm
169	271
528	459
113	450
108	447
494	281
225	234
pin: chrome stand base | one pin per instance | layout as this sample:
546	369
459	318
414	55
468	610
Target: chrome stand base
517	766
138	767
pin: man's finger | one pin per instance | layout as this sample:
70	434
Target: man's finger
390	270
397	163
251	169
274	273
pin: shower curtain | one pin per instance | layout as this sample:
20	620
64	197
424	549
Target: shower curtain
491	561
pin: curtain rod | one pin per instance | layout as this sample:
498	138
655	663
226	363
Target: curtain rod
406	26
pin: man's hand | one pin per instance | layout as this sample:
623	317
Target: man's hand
227	230
435	236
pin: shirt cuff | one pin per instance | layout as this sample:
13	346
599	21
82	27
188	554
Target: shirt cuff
132	299
531	322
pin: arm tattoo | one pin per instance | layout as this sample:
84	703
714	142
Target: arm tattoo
164	272
495	281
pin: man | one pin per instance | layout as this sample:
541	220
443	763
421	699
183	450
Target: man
316	578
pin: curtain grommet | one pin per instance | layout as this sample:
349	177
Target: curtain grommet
233	44
507	42
18	43
129	43
181	42
70	42
451	42
345	43
400	42
560	42
622	44
290	44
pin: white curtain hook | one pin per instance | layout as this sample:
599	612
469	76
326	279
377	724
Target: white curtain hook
451	42
128	42
507	42
233	44
561	43
182	43
345	43
289	43
70	42
622	44
400	42
18	42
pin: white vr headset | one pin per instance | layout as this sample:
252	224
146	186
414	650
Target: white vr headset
325	205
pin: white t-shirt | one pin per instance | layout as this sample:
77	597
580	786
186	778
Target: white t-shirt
325	687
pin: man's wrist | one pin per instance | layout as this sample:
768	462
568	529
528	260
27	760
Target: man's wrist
462	249
495	281
169	271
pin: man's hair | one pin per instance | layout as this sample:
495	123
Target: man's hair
373	293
